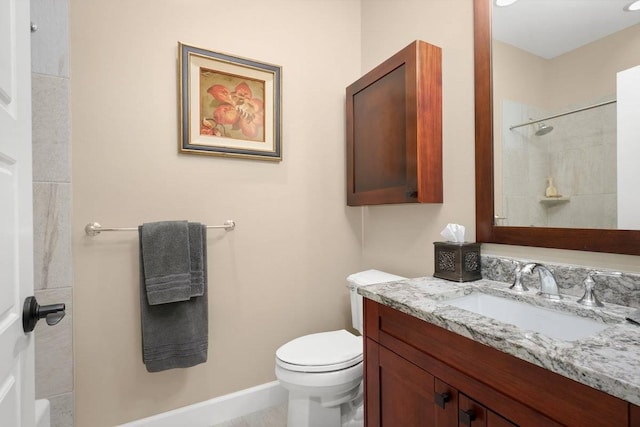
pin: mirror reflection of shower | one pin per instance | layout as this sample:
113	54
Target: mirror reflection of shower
577	150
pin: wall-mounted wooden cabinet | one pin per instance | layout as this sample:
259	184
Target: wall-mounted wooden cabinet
394	130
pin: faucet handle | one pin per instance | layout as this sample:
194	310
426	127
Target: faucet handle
517	285
589	298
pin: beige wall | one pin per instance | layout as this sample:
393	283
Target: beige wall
400	238
588	74
282	272
511	67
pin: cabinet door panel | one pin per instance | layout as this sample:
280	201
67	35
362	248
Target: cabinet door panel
406	392
394	130
371	383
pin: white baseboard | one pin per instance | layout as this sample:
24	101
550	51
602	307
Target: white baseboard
220	409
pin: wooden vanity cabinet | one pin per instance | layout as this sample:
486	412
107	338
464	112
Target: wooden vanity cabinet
410	396
418	374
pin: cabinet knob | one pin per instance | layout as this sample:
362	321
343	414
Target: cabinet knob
412	194
466	417
441	399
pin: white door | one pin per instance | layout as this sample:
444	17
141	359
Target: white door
16	227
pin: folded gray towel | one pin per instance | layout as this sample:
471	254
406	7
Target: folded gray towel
196	245
166	261
175	335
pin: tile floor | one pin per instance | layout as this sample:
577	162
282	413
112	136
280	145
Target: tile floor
271	417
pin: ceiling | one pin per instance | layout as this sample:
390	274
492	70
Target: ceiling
549	28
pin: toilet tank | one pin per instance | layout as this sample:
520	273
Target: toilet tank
364	278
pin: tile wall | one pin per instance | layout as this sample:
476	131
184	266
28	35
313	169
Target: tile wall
52	203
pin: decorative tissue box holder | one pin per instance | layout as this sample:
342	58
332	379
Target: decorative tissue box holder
459	262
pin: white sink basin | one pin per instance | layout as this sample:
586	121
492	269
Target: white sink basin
554	324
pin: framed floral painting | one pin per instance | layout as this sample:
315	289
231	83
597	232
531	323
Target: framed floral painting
229	106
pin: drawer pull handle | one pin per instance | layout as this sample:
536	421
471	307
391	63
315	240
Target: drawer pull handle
466	417
441	399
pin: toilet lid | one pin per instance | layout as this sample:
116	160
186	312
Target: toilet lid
322	352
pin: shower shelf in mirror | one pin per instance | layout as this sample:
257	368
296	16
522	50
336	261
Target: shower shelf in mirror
553	200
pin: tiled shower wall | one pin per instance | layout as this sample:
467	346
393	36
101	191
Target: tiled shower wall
52	203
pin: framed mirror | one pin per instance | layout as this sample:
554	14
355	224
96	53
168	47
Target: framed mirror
496	125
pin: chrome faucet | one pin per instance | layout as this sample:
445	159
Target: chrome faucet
548	284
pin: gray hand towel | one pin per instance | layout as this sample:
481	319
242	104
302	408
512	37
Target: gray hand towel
175	335
166	261
196	245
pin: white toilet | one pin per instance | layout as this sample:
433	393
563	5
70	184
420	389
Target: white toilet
323	371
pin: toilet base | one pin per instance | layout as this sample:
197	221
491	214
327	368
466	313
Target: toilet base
353	411
305	412
322	399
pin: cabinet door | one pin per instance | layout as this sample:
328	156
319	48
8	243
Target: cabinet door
394	130
406	392
473	414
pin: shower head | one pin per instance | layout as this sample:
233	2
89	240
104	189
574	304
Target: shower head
543	129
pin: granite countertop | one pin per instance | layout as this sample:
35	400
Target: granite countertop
608	360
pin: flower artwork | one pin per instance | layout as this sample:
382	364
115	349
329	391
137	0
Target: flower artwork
231	106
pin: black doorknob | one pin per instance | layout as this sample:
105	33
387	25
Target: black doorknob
32	312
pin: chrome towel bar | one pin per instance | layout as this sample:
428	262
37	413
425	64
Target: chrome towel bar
93	229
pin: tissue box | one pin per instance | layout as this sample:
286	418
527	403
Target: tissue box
459	262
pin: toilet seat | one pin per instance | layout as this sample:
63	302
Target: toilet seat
321	352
